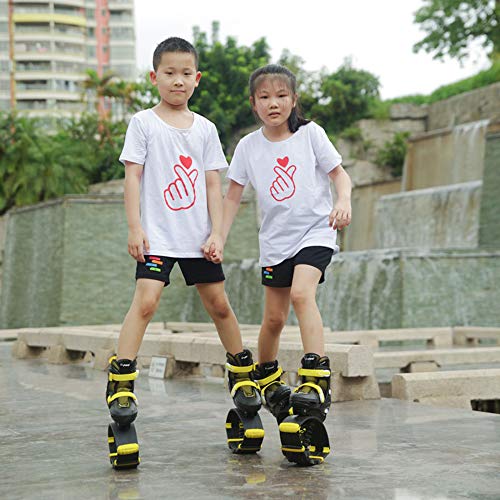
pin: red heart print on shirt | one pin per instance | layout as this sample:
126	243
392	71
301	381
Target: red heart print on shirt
283	186
186	161
283	162
181	194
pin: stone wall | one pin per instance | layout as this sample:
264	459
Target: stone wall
440	217
447	156
479	104
361	233
489	226
3	230
66	262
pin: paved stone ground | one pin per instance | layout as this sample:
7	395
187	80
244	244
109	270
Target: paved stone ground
53	423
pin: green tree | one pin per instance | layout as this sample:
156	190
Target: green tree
31	164
345	97
92	145
451	25
97	89
223	92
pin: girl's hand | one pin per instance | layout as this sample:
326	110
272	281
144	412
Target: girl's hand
341	215
137	241
213	249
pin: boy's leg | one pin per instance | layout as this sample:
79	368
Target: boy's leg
216	303
144	305
276	309
303	297
122	371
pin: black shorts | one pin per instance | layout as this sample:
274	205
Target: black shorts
195	271
281	275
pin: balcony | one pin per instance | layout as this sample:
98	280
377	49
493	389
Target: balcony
47	18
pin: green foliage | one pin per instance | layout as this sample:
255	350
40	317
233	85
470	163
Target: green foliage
393	153
346	96
223	92
352	134
451	26
93	145
31	164
36	165
482	79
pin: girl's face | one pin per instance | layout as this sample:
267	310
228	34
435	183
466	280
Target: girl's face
273	102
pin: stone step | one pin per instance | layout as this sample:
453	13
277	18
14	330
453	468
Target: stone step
471	335
457	356
448	388
352	365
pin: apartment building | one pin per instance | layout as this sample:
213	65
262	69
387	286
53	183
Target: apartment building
46	46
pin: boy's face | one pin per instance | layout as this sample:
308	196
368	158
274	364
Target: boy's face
176	77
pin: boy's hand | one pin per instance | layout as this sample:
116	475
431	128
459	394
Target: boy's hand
137	241
213	249
341	215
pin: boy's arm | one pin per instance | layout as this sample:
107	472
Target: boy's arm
231	204
341	213
137	239
214	245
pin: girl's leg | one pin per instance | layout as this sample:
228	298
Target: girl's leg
144	304
276	308
313	396
303	297
275	394
217	305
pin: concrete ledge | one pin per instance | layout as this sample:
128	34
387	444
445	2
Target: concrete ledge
435	337
464	356
471	335
448	388
197	353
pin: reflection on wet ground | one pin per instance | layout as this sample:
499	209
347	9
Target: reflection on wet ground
53	424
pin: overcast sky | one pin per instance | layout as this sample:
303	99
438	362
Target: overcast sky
377	35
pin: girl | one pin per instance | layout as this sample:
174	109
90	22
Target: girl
290	161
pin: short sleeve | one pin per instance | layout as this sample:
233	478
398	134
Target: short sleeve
327	157
135	146
213	156
238	169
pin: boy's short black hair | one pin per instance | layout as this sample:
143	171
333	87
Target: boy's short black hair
173	44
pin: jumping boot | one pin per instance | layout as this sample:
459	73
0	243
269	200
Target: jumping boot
120	396
275	394
243	425
304	439
122	403
313	396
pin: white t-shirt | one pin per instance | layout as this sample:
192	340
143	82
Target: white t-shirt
174	210
293	189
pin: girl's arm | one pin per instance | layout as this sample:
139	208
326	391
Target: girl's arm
341	213
213	247
231	204
137	238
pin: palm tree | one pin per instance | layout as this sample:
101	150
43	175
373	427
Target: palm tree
99	88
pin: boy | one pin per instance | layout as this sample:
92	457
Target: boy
173	203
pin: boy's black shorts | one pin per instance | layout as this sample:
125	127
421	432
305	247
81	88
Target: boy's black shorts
281	275
194	270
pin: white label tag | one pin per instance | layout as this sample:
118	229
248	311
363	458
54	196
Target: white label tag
158	367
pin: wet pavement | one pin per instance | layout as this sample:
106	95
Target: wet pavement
53	435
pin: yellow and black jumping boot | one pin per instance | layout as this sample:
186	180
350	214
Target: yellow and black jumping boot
243	425
274	392
122	403
304	439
